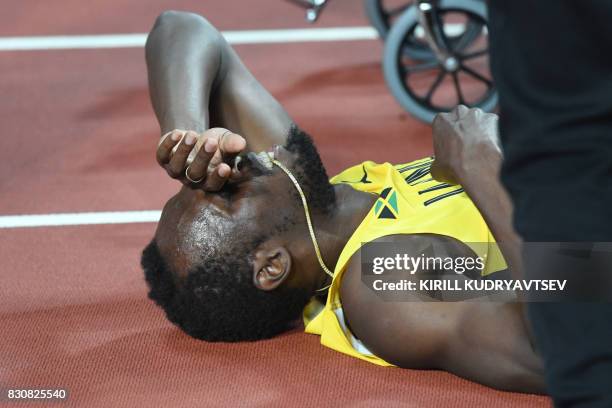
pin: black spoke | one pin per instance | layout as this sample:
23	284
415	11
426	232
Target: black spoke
438	31
425	66
471	31
476	75
475	54
458	89
435	86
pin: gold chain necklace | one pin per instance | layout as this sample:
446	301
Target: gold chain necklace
308	221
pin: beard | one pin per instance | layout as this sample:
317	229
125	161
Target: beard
310	172
307	169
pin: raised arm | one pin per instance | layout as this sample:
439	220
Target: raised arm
466	146
183	57
467	152
196	81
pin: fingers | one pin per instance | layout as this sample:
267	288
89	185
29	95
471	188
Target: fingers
230	145
491	116
476	112
176	165
214	162
207	157
454	115
462	111
217	178
165	146
199	166
440	116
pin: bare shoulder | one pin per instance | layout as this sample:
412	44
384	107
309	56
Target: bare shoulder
355	294
381	324
481	341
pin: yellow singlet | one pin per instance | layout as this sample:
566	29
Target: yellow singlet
409	202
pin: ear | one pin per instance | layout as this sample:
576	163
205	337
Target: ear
271	267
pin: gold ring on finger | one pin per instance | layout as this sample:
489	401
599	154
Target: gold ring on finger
190	179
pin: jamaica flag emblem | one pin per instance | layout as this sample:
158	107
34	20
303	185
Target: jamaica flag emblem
386	206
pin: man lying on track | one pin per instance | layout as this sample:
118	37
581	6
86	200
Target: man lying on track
235	258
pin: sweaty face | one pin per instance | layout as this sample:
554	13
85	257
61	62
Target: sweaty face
197	224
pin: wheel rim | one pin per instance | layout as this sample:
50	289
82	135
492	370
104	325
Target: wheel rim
465	54
382	15
391	13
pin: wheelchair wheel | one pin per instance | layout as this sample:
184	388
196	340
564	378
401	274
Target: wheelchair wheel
383	13
418	85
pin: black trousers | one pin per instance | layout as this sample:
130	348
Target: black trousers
552	64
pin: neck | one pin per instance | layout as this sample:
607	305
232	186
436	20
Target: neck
335	229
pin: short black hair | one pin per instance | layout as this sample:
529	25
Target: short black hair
217	300
310	171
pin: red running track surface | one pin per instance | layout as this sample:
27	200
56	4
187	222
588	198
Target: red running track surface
78	134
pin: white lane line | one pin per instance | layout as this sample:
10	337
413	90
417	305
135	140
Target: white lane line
65	42
86	218
300	35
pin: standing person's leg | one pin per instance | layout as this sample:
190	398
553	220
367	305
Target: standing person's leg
552	64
